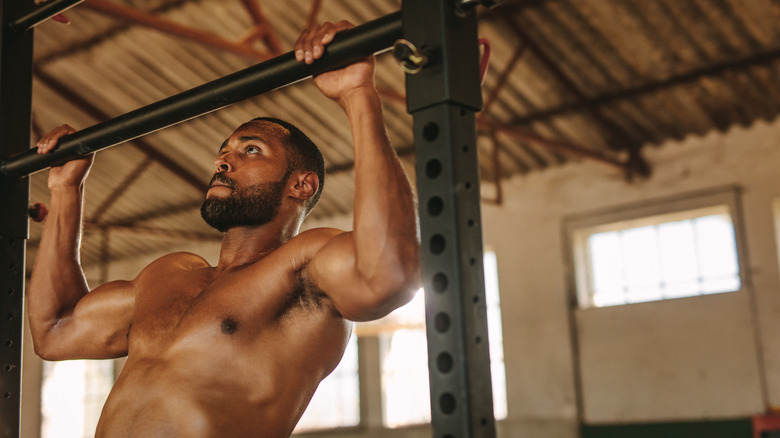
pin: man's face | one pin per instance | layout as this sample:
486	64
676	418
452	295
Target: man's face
251	176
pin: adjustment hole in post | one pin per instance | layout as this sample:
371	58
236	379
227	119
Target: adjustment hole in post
444	362
430	131
441	322
435	206
447	403
440	282
437	244
433	168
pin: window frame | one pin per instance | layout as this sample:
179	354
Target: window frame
577	259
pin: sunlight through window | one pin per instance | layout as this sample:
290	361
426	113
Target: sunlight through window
405	385
336	403
72	397
667	256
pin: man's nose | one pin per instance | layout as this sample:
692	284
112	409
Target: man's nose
223	164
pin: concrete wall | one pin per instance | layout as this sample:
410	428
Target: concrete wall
690	359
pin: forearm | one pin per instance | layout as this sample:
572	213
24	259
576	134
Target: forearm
385	218
57	282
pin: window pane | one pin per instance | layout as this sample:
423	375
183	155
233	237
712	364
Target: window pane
405	391
717	246
640	255
495	335
663	258
607	266
336	403
72	397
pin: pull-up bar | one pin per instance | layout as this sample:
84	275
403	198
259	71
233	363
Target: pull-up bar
40	14
349	46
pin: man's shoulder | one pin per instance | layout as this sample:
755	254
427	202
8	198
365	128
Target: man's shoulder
177	261
315	238
305	245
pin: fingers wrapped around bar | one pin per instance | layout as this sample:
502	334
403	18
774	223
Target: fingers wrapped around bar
311	43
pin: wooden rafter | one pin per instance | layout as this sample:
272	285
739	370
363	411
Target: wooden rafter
142	18
518	133
263	29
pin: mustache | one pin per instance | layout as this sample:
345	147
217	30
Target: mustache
219	176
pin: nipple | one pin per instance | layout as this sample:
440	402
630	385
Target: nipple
228	326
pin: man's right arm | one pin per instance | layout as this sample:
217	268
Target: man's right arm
68	321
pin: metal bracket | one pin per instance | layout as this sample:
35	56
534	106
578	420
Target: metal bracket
411	59
466	6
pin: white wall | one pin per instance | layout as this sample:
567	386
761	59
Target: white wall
721	371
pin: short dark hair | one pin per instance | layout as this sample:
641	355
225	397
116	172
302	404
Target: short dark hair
302	154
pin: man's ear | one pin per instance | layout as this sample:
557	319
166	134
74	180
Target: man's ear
305	185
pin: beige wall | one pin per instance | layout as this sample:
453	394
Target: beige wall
696	358
714	356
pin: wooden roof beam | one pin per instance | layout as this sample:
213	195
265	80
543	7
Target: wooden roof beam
145	19
263	29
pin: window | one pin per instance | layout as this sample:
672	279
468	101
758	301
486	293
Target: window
405	386
404	359
336	403
674	254
72	397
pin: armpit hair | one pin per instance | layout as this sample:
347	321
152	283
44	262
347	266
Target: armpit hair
306	296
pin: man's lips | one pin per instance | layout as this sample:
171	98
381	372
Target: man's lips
221	181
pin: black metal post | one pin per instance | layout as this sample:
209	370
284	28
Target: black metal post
15	119
443	98
39	14
349	46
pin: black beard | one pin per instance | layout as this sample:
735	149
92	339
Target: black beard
252	206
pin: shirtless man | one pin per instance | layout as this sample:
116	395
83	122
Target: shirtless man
238	349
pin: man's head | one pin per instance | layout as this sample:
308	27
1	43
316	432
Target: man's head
263	162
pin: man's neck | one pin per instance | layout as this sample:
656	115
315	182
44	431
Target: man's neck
242	246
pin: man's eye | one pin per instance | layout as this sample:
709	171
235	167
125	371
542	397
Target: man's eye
252	150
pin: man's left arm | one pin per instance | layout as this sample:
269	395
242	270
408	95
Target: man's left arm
375	268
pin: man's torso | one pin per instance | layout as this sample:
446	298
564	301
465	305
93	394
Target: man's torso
237	353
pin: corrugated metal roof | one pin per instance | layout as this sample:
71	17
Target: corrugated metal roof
574	78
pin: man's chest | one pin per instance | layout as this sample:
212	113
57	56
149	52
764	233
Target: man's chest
199	303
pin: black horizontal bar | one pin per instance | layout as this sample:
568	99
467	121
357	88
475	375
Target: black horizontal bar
41	14
349	46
